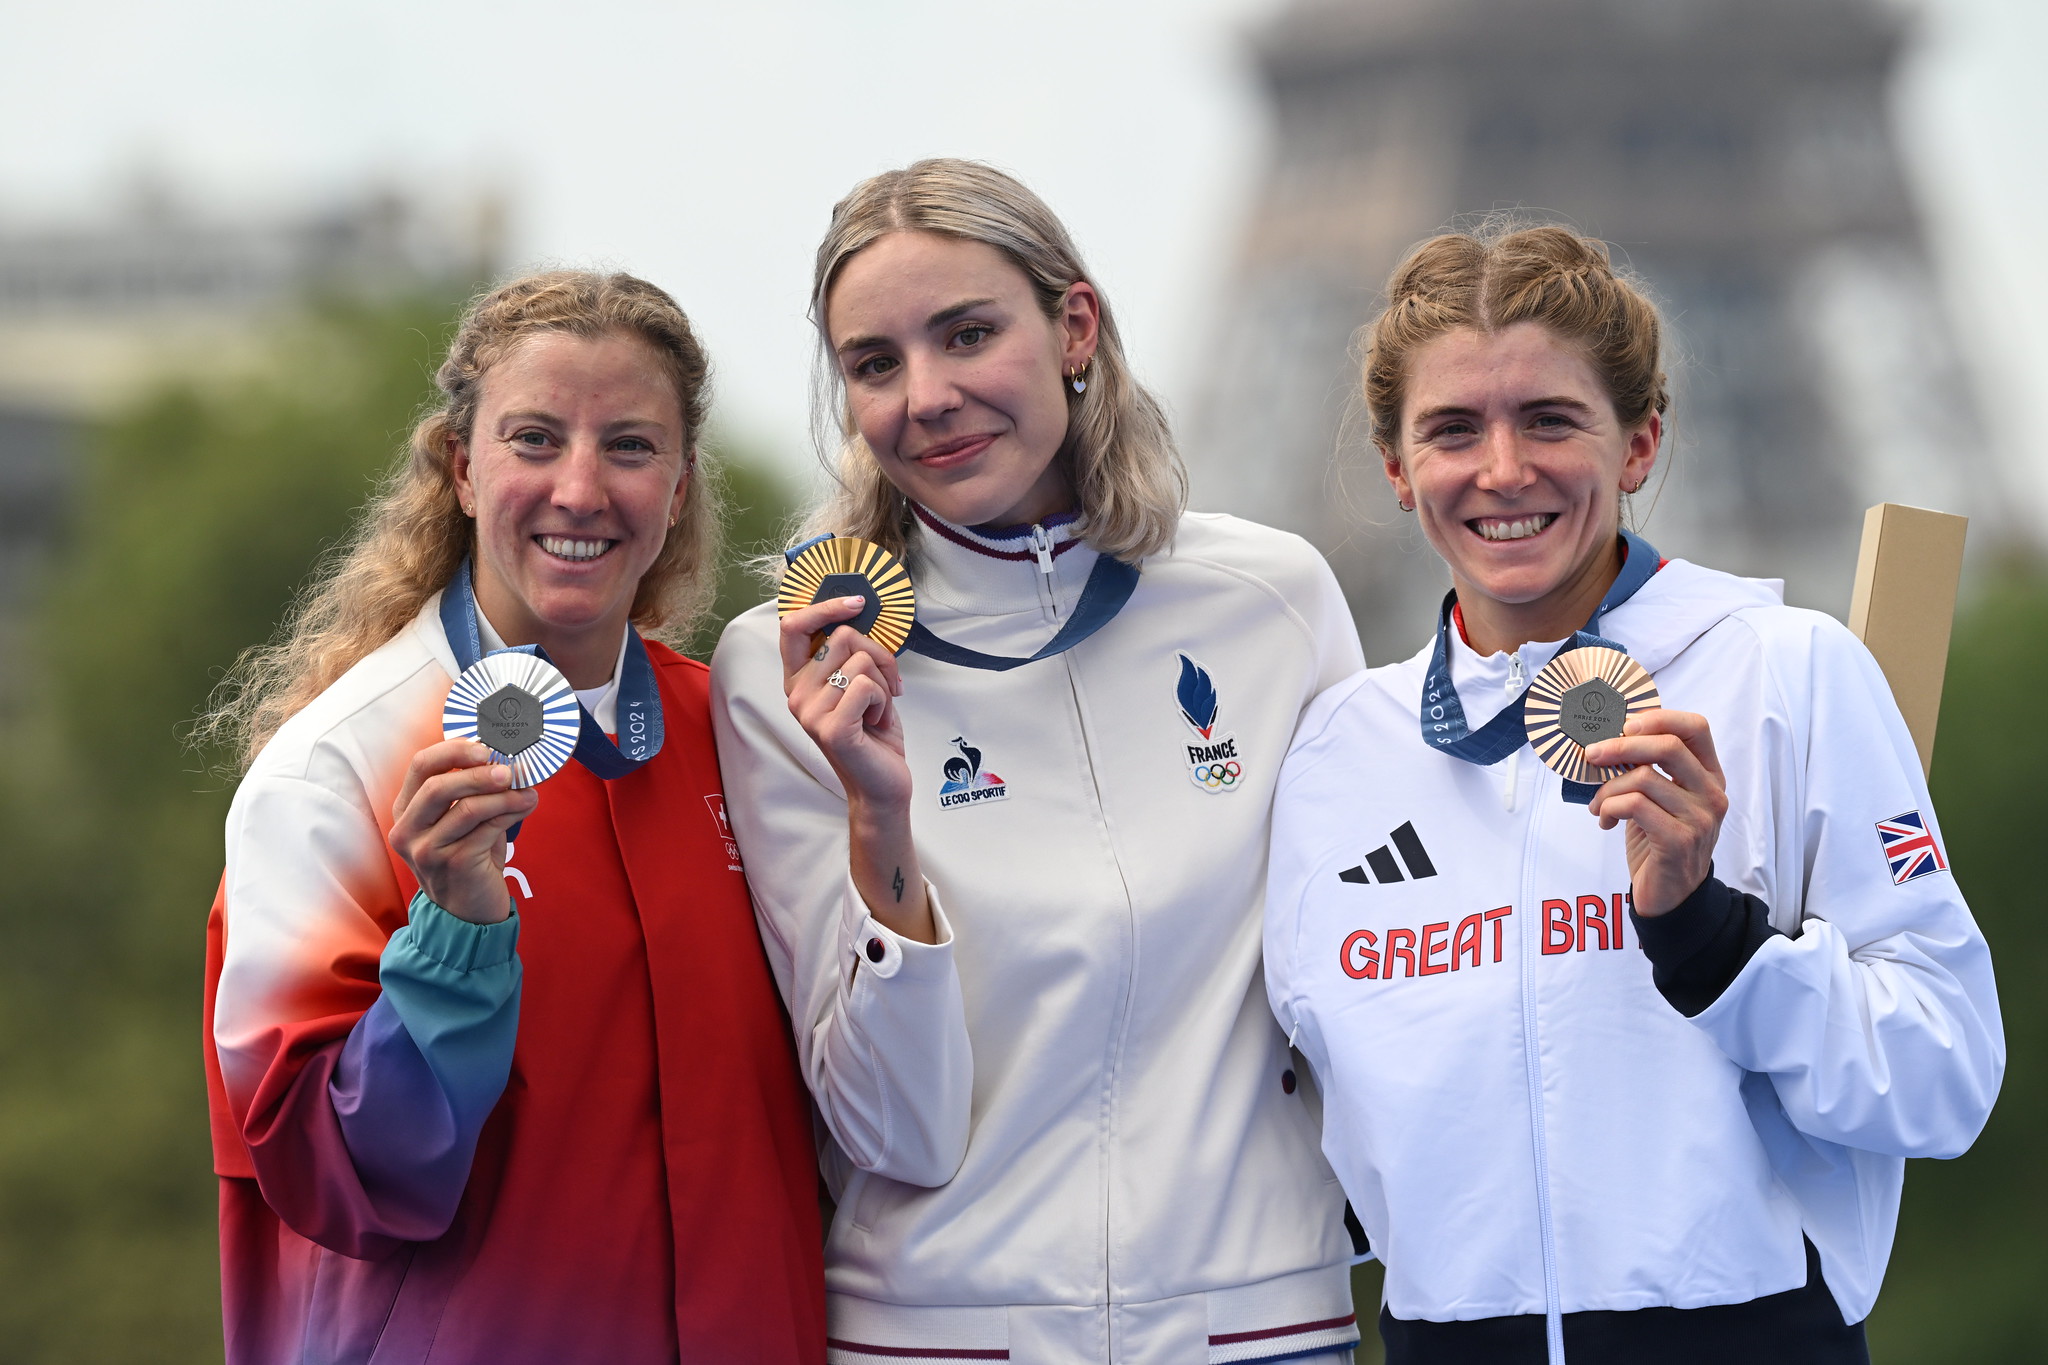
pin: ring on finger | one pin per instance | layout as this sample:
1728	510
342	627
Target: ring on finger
838	680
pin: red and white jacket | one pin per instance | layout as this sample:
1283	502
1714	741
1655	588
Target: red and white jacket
434	1144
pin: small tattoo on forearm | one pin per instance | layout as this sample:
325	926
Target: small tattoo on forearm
898	884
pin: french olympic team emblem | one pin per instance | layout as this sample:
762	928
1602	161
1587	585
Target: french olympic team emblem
1909	847
965	784
1214	763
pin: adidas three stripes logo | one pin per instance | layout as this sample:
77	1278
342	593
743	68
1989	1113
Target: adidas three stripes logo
1384	868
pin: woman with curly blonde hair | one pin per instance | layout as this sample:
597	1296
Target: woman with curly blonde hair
498	1101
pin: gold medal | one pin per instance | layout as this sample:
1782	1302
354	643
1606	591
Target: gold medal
1581	698
841	566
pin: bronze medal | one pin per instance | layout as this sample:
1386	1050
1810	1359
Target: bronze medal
1580	698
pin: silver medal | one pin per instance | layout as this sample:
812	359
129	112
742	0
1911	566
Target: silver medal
521	708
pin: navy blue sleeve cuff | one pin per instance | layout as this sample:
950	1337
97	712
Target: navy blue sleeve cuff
1698	947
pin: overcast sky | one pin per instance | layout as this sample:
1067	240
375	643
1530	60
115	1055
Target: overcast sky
703	144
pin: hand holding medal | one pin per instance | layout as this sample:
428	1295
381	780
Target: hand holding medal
1594	716
842	684
510	721
842	687
449	821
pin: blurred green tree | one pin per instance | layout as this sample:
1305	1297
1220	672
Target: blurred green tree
203	506
1966	1276
759	505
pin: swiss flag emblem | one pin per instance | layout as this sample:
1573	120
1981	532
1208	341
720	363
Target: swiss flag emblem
716	804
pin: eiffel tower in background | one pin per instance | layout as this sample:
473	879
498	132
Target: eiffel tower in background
1739	156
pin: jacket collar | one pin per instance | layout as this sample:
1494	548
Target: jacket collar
995	570
1486	683
1683	602
1677	606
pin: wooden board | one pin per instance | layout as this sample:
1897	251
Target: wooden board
1904	606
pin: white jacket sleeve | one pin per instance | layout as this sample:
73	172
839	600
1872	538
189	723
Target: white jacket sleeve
1322	605
1876	1021
881	1030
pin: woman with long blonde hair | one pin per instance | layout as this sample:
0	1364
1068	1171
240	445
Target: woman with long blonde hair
1010	883
497	1073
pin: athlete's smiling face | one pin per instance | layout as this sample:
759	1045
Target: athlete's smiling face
573	470
1509	450
955	377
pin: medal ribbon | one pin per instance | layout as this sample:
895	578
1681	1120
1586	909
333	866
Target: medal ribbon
640	726
1443	715
1110	584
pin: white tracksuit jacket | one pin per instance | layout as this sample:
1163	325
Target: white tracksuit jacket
1069	1131
1520	1119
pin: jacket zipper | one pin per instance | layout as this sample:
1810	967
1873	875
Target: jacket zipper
1041	546
1113	1062
1553	1309
1511	766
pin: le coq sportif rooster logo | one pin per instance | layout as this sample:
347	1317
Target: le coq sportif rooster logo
965	783
962	770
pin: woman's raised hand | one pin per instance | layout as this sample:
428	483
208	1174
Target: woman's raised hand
857	728
1674	815
449	821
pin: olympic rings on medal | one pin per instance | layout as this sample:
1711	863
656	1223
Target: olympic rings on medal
838	680
1218	774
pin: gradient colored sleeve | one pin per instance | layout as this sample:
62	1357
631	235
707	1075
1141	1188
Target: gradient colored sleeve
425	1065
343	1033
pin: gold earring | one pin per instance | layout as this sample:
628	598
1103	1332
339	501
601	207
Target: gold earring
1074	375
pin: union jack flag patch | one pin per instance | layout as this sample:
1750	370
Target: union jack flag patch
1909	847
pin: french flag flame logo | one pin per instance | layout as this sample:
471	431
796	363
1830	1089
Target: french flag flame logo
1197	696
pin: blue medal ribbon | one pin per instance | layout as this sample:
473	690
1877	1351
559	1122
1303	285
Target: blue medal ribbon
1110	584
1443	715
640	729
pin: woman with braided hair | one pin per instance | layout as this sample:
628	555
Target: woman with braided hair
491	1096
1620	1062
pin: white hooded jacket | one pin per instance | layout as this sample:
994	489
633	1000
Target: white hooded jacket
1069	1131
1523	1123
